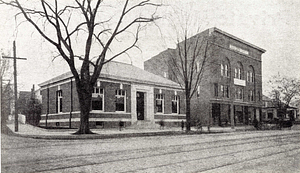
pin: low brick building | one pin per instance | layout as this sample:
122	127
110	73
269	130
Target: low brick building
123	93
231	90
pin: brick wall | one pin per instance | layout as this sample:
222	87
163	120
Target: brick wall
219	51
109	97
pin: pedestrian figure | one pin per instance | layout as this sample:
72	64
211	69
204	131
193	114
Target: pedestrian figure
255	124
162	124
182	125
121	124
199	126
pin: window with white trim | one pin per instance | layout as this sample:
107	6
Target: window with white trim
175	104
238	71
59	102
251	96
225	91
98	99
216	89
120	100
198	91
165	74
222	70
225	68
197	67
250	74
239	93
159	103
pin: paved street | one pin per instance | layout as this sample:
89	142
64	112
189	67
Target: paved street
255	151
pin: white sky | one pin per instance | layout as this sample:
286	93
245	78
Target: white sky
273	25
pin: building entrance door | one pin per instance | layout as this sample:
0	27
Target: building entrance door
216	115
140	105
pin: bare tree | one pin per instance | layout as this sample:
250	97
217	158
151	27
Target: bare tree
91	22
187	65
284	91
6	94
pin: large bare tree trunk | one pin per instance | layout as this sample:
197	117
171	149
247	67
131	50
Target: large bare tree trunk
85	99
188	115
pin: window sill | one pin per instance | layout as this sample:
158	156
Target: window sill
123	112
159	113
96	111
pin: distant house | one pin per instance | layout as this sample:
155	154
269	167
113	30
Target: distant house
123	93
271	110
24	97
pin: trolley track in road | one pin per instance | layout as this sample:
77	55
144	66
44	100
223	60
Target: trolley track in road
222	155
146	152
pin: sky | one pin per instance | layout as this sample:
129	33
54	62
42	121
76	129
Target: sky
273	25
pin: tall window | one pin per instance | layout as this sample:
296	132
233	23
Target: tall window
120	100
225	68
225	91
175	104
251	96
222	70
97	99
198	91
216	89
59	101
250	74
239	93
222	90
159	103
165	74
197	67
238	71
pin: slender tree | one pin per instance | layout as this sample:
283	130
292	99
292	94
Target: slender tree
89	20
188	64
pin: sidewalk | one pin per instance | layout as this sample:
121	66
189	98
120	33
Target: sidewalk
26	130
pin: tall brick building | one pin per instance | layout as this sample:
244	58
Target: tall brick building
231	90
123	93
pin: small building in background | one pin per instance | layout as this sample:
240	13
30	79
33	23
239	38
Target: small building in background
271	110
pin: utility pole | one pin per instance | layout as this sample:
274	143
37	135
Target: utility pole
15	83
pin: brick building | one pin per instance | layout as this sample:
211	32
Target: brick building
123	93
231	90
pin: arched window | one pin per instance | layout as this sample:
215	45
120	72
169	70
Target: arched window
250	74
225	68
238	71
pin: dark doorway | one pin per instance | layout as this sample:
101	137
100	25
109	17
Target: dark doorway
216	114
140	105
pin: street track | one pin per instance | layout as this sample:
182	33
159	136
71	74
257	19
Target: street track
163	153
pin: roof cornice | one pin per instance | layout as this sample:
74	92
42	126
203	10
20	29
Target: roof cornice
214	29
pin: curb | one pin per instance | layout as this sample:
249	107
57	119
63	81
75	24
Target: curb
111	136
122	135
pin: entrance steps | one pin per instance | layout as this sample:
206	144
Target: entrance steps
144	124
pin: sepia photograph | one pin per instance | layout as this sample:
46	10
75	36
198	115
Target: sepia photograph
150	86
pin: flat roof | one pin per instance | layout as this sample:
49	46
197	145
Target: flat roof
236	38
